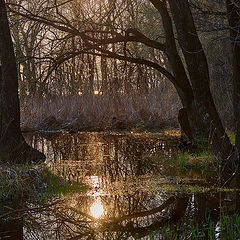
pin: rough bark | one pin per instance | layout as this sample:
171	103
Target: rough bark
234	23
197	67
182	85
186	130
12	144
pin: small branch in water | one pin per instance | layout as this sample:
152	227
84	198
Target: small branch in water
23	210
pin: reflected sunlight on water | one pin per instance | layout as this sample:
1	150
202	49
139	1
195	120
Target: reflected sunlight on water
97	208
134	190
94	181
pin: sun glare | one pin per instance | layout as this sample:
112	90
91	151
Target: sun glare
97	208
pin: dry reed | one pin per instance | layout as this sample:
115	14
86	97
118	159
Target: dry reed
100	112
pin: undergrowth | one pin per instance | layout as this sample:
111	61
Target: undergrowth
226	228
33	184
198	159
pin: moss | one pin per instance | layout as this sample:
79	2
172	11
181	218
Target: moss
231	135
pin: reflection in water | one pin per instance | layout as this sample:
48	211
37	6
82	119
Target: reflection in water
122	199
63	221
97	208
11	229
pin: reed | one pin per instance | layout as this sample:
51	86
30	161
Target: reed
97	112
227	227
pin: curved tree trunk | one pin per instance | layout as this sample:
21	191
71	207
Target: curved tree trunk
182	85
12	144
197	67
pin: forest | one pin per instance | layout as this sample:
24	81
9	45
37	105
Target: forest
119	119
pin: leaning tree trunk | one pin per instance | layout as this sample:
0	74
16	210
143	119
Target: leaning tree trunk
182	83
12	143
199	76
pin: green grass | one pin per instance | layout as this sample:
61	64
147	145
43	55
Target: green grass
57	186
196	162
24	183
227	228
182	162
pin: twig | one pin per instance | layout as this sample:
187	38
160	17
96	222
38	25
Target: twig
28	209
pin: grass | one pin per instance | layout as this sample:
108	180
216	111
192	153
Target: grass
198	162
25	183
227	228
200	157
57	186
181	162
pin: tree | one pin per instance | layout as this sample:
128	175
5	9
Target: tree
233	9
188	72
12	144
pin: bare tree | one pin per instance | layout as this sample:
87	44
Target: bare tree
187	69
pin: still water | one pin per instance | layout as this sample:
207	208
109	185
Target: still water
132	192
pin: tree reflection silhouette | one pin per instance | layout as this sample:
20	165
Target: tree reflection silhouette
118	169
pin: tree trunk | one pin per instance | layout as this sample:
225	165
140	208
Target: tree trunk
197	67
182	85
12	143
234	23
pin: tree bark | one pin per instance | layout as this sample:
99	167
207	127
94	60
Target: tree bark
234	23
197	67
12	144
182	85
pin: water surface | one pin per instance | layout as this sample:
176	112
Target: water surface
131	193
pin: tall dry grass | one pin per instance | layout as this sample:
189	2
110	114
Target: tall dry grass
100	112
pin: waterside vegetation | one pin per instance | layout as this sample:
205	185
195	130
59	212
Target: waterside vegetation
227	228
36	184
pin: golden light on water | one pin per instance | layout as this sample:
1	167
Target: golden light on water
97	208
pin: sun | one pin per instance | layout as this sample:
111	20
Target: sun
97	208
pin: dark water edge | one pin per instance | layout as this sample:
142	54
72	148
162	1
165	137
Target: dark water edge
131	194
